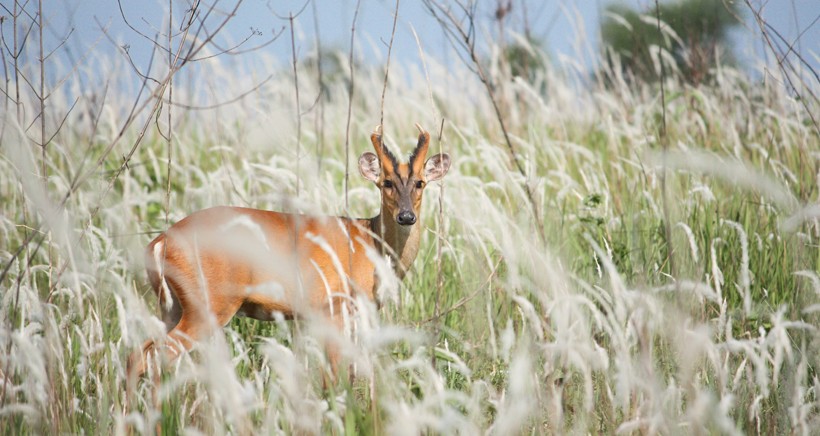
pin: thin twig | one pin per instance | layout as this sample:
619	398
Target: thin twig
233	51
168	138
439	266
465	38
76	65
781	60
298	104
665	145
464	300
387	67
319	119
42	98
351	88
221	103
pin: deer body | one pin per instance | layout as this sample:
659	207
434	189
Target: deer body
226	261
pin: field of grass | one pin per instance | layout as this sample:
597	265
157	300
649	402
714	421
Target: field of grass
675	288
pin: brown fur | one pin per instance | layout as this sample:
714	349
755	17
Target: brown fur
224	261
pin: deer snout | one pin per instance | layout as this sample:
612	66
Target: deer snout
406	218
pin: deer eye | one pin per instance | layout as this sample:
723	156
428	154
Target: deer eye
419	184
387	184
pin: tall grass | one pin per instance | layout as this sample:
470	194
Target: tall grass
590	331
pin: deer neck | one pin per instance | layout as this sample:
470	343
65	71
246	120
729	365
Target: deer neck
400	243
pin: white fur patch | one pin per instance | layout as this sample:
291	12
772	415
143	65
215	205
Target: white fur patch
344	229
273	290
159	253
322	243
328	291
251	225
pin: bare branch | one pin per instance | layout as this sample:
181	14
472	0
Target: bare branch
233	50
783	62
319	120
125	49
298	104
387	67
62	43
134	29
194	49
350	103
19	49
77	64
223	103
62	122
466	38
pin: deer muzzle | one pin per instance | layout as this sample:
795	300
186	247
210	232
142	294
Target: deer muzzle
406	218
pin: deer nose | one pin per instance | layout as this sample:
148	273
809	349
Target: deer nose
406	218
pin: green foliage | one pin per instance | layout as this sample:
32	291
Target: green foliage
611	321
694	32
525	59
334	67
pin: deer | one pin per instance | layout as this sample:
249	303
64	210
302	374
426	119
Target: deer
224	261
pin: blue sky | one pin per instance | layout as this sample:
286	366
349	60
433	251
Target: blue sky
562	25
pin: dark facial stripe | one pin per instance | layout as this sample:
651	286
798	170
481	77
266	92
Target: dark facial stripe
424	138
412	160
390	156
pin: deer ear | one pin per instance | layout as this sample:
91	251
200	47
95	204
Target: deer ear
436	167
369	166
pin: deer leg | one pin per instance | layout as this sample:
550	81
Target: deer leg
180	339
138	360
332	345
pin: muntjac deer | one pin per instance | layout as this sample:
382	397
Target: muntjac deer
227	261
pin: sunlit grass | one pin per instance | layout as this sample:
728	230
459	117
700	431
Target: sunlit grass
594	330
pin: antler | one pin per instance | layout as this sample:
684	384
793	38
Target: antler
420	153
385	157
376	139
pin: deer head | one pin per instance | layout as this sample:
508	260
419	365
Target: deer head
402	184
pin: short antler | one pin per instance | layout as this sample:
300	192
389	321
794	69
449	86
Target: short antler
420	153
376	140
385	157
